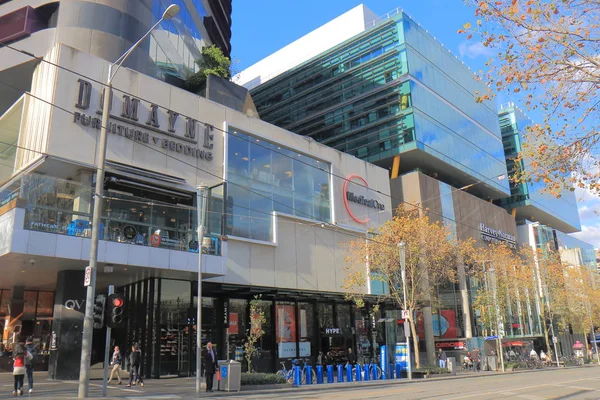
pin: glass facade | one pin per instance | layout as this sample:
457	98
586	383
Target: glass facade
390	90
513	125
65	207
264	177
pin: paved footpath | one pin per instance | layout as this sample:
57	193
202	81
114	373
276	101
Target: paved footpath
564	383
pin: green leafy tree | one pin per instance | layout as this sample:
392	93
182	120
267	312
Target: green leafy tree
257	319
212	62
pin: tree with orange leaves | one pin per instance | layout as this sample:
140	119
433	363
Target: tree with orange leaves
549	51
431	257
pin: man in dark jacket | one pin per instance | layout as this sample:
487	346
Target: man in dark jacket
135	361
30	361
210	366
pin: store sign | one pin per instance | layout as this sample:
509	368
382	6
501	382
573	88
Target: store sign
53	341
74	304
497	236
457	345
225	314
332	331
354	196
129	232
185	131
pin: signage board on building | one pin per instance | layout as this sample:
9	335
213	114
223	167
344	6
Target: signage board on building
496	236
356	191
158	127
455	345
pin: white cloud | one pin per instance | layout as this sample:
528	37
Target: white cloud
589	234
474	49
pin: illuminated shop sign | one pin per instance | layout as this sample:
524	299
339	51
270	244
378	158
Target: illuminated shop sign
362	199
497	236
180	136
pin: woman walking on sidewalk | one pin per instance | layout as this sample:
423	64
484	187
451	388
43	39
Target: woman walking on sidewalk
116	365
19	369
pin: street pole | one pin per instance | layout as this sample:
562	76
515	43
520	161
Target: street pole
111	290
88	321
402	251
200	211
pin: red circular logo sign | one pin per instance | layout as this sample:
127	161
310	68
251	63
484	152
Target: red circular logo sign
350	196
155	240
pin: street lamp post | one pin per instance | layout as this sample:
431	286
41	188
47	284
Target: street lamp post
201	204
86	343
402	251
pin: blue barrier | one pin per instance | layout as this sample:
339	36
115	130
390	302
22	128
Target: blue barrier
330	374
309	375
374	371
348	372
391	371
367	372
340	373
319	374
398	370
358	373
297	375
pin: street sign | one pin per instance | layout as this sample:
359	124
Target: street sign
405	314
406	329
88	276
554	339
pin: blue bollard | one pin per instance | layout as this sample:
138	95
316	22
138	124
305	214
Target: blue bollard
309	375
391	371
297	375
398	371
358	373
374	371
319	374
330	374
348	373
340	373
367	372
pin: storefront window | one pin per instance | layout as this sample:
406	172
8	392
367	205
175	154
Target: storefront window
263	361
307	345
175	302
236	333
30	298
45	305
4	297
326	316
344	320
285	325
264	178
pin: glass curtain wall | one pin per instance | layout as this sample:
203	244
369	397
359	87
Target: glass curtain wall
264	178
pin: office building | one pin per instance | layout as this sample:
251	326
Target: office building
386	91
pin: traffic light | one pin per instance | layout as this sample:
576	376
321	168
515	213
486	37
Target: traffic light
99	304
115	317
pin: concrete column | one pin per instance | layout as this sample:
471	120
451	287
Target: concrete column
67	326
464	295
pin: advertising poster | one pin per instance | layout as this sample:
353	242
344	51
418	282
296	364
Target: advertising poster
401	355
233	324
444	324
285	334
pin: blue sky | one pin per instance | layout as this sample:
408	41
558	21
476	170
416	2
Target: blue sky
262	27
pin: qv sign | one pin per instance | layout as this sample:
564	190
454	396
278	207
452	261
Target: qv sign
75	305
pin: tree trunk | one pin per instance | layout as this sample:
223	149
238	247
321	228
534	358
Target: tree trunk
415	338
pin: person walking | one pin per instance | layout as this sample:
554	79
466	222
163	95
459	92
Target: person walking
30	359
350	359
135	361
19	357
210	366
442	357
320	358
116	365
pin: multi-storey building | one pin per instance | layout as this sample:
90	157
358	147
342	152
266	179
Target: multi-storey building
386	91
108	28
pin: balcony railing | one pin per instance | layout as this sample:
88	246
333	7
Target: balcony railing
64	207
